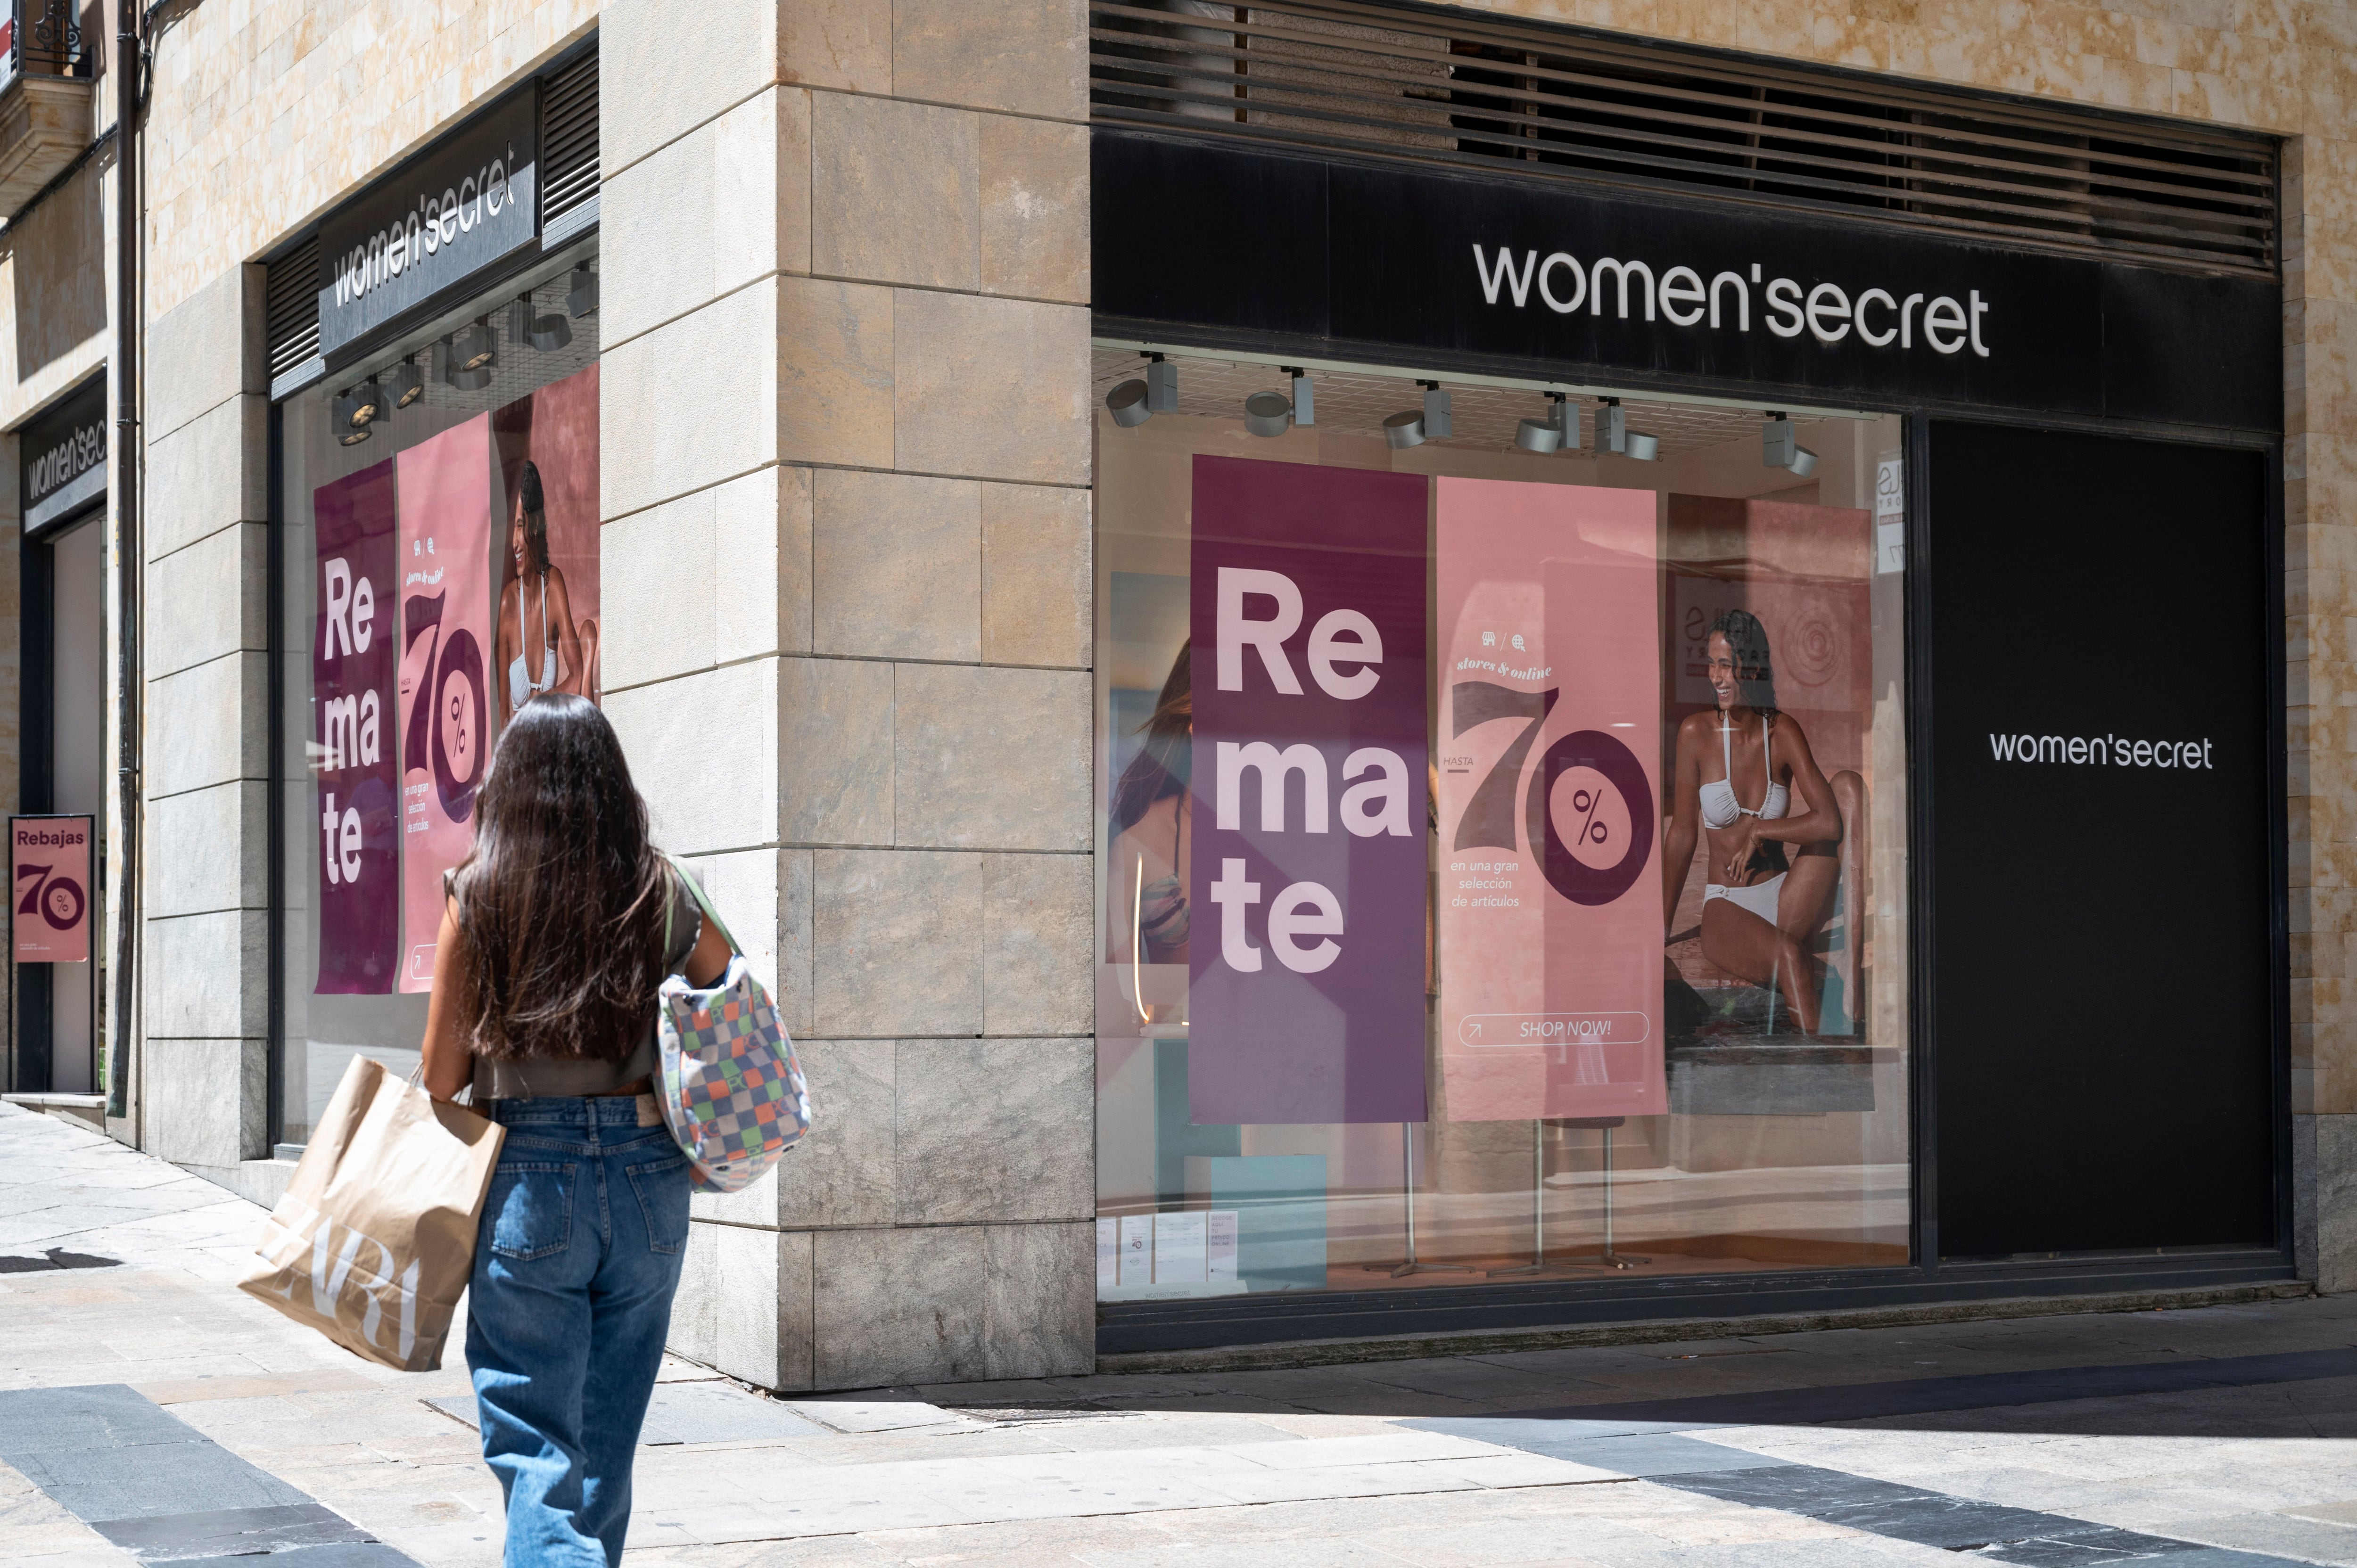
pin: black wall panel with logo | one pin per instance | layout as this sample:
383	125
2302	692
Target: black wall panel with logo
2100	947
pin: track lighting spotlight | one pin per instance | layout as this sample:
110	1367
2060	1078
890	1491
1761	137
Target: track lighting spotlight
1552	434
1643	447
1161	386
1402	431
1268	413
356	409
1780	447
403	383
581	298
1611	428
473	348
1127	404
546	333
1305	397
450	356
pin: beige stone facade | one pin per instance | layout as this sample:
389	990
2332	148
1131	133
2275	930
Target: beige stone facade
846	439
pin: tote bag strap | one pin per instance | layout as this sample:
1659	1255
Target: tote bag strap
695	891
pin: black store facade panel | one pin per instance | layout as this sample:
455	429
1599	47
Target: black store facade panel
2095	882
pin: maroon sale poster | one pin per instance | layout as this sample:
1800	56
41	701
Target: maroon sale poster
1308	811
355	806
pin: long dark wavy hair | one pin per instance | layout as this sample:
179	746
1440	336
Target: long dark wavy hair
561	904
535	516
1755	674
1161	766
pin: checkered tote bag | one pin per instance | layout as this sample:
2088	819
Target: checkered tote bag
733	1094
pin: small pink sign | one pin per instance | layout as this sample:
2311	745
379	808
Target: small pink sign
52	861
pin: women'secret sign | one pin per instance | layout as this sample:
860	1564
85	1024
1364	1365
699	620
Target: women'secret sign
1308	822
446	638
1550	733
353	763
51	856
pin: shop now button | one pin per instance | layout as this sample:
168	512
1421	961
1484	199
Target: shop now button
1554	1028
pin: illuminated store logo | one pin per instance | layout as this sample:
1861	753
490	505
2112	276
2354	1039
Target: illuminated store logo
2100	751
1825	311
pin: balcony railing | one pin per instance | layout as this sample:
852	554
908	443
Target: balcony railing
42	37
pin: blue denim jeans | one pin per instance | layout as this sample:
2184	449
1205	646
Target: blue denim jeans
575	1266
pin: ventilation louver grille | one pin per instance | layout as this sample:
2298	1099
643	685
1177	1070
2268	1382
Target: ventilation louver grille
568	138
291	330
1497	94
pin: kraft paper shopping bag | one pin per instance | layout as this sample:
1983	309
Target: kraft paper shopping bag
375	1238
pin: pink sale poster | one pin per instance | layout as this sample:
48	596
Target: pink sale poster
443	559
354	801
1550	903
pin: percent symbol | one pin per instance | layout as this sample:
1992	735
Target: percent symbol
1591	830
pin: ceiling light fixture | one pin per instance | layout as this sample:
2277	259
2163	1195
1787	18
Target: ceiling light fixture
1611	428
1780	447
474	348
1268	413
1558	429
1127	404
545	333
404	383
355	411
581	300
1161	385
1429	423
1305	396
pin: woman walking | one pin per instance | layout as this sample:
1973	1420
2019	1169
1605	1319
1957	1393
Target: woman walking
557	932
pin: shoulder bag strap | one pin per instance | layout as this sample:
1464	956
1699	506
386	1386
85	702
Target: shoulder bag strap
695	891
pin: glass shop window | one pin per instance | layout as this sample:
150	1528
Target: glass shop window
1503	834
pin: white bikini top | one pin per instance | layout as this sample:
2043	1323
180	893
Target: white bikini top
522	687
1719	806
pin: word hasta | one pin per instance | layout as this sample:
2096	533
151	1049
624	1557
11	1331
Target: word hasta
1379	806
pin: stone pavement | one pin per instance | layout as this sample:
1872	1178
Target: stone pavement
150	1411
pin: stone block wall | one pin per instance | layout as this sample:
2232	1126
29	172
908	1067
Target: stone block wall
847	449
205	1000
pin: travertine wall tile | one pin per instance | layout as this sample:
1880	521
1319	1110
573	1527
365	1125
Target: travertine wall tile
895	192
833	386
1034	195
983	1130
1019	59
1036	586
990	759
842	44
896	567
1036	949
893	948
835	751
994	387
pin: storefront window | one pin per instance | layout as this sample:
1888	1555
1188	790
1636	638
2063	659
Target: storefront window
440	566
1503	849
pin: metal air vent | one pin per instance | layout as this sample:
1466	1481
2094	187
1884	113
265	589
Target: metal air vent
1441	87
568	138
291	308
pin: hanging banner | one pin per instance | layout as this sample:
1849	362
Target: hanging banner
1550	896
446	519
1309	814
52	871
549	628
353	767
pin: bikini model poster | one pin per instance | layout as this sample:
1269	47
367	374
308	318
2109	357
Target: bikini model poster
353	754
1769	641
447	485
1549	903
549	627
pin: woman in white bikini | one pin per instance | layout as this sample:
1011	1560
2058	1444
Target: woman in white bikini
540	648
1761	906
